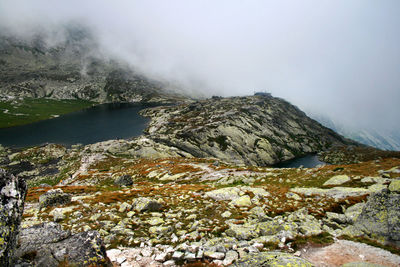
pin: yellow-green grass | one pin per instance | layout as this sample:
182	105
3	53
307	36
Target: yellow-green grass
29	110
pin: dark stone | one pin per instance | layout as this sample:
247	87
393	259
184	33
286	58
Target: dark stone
20	167
47	244
49	171
124	180
54	197
12	197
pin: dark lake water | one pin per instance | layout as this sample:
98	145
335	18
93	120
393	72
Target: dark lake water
99	123
308	161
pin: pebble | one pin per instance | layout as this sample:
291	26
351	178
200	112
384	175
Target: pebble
177	255
169	263
120	260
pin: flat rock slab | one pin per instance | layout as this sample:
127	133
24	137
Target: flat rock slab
47	244
335	192
337	180
272	259
344	252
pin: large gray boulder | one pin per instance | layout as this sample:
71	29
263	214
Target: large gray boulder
12	196
380	217
142	204
54	197
124	180
47	244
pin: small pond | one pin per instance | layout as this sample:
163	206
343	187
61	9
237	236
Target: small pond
308	161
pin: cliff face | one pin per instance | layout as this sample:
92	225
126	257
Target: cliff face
73	69
257	130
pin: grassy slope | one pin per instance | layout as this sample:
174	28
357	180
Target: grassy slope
19	112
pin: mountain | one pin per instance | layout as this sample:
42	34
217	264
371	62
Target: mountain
72	68
254	130
371	137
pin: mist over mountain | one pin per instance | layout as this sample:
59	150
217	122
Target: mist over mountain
375	138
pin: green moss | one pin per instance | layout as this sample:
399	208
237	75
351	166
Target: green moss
46	180
30	110
321	239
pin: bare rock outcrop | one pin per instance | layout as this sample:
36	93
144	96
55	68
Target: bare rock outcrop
47	244
254	130
380	218
12	196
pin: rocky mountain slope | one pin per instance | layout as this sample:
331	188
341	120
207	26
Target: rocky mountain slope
256	130
71	69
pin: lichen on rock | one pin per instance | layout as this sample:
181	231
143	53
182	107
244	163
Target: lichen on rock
54	197
12	196
380	217
47	244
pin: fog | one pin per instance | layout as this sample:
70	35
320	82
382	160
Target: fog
339	58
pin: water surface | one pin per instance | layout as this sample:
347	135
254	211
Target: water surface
99	123
308	161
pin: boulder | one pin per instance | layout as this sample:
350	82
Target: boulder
337	180
228	193
242	232
12	197
47	244
395	186
146	204
124	180
380	217
335	192
243	201
272	259
54	197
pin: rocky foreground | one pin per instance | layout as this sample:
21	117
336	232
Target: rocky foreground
198	189
175	211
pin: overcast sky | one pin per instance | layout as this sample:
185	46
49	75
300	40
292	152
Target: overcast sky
341	58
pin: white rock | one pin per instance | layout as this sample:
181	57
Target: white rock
190	256
120	260
230	257
146	252
126	264
226	214
177	255
161	257
258	246
169	263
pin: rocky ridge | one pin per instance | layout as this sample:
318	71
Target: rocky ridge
255	130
